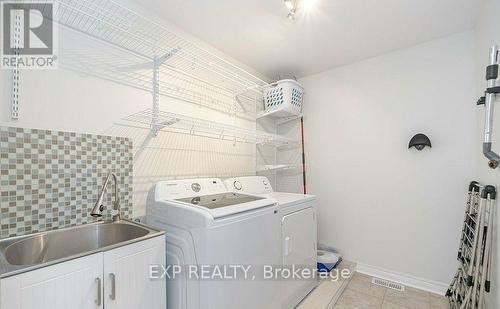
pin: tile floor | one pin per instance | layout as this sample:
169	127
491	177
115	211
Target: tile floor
360	293
328	291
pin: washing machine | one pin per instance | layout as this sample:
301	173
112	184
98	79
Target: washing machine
206	224
298	233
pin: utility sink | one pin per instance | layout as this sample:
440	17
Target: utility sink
59	245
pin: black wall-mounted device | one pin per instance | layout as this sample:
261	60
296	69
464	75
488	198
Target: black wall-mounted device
419	141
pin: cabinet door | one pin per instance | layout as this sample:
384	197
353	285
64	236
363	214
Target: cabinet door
127	276
75	284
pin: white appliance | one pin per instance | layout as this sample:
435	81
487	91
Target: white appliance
206	224
298	232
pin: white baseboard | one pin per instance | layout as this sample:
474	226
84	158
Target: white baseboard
407	280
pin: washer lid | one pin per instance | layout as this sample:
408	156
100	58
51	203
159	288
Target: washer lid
214	201
227	203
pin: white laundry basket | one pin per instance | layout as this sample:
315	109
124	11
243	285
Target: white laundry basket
284	98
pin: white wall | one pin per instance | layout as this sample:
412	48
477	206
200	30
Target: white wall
488	34
68	101
381	204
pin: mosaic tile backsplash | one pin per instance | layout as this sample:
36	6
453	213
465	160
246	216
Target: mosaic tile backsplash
50	179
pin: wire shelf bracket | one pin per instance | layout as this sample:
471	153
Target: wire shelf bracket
157	62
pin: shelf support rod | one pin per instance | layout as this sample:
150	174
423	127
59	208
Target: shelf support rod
155	127
16	73
15	94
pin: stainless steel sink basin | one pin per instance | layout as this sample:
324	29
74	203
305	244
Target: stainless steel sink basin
54	246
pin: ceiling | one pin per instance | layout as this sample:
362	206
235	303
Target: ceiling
333	33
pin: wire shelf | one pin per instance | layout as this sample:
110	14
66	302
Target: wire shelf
279	119
92	59
89	60
192	73
201	127
276	167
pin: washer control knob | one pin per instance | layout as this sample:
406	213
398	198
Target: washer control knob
237	185
196	187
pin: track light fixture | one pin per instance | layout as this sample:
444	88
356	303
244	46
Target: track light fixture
304	6
291	5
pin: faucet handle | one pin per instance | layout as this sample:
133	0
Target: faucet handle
97	211
115	215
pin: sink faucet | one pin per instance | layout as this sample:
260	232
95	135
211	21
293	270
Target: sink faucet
99	207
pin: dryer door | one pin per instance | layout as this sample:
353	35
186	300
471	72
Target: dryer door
299	251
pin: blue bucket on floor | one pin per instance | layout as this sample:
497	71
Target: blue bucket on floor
327	260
